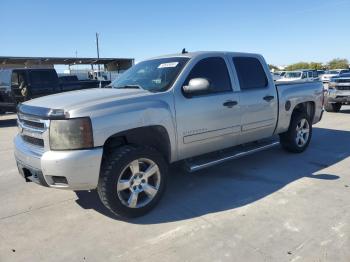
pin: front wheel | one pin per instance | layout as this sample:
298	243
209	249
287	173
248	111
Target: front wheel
132	180
333	107
298	136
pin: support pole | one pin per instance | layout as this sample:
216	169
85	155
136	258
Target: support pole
98	54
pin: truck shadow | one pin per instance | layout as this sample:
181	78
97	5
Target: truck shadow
8	122
345	111
239	182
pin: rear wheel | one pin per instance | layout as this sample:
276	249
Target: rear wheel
333	107
132	180
298	136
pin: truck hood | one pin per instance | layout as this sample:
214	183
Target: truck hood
80	99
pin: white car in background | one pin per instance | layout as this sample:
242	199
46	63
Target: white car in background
298	76
331	73
275	75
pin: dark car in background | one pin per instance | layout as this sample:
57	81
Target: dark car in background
19	85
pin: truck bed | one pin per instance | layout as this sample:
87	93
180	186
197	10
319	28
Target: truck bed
291	94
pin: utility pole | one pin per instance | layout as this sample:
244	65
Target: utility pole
98	54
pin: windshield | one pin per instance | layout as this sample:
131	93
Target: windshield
153	75
292	75
333	72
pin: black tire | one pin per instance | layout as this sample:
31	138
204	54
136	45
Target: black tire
333	107
288	139
114	166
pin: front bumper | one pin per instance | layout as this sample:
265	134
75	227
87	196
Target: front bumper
337	96
73	169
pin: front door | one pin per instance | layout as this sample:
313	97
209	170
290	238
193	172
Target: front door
19	86
208	121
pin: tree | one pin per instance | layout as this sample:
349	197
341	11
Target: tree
296	66
305	65
315	66
338	63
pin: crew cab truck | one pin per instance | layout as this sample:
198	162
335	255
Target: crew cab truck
201	108
19	85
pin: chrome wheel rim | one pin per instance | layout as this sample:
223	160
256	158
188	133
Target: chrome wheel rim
139	183
302	132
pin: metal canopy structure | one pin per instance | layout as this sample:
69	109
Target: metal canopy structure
110	64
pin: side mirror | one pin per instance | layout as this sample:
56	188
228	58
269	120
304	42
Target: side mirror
196	85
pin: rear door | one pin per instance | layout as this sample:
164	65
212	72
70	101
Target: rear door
208	121
43	82
258	98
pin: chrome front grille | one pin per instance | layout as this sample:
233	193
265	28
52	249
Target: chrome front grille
343	87
343	81
33	130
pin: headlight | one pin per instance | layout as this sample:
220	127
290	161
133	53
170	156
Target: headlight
75	133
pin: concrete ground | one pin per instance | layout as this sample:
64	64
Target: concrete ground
271	206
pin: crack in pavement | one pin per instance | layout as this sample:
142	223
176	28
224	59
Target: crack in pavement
38	208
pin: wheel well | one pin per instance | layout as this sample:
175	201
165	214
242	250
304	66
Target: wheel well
306	107
154	136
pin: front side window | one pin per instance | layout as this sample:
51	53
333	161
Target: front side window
213	69
251	74
14	79
18	79
155	75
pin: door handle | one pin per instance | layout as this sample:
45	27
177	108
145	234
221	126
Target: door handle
268	98
230	103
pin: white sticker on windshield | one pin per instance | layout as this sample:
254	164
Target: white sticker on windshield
165	65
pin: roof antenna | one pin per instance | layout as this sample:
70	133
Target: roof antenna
184	51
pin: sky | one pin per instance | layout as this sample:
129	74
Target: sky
283	31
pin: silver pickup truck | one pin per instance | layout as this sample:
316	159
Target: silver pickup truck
337	93
200	108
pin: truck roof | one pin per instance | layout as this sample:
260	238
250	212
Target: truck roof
201	53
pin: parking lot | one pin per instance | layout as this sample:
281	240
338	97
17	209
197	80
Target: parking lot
271	206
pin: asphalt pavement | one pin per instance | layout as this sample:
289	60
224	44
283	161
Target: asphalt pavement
271	206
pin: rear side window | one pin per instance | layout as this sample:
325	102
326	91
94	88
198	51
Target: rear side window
213	69
42	78
251	74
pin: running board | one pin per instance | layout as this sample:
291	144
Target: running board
212	159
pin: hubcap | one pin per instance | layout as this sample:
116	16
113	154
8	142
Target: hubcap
138	183
303	131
